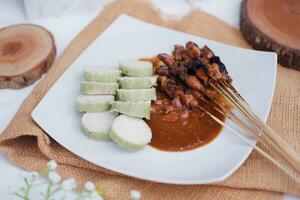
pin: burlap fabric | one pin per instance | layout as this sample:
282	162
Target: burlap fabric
27	146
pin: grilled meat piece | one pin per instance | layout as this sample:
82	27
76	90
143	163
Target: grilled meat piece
179	72
199	63
186	59
181	55
167	59
194	66
162	70
194	83
201	74
190	80
197	94
187	99
214	59
191	69
178	52
222	67
178	92
207	53
204	61
169	86
193	50
214	72
210	93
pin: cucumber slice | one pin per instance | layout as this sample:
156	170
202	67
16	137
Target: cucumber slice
137	109
87	87
136	68
96	125
93	103
130	133
136	94
101	74
137	82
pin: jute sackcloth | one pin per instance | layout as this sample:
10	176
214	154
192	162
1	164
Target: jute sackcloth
28	146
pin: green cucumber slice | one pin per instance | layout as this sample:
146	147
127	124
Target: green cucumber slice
136	68
137	109
96	125
87	87
99	74
130	133
94	103
137	82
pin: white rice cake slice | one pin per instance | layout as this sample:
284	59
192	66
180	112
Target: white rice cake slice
140	109
99	74
87	87
96	125
136	68
136	94
94	103
130	133
137	82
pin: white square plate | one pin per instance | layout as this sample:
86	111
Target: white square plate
254	75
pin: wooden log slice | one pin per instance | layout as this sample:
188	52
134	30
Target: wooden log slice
26	52
273	25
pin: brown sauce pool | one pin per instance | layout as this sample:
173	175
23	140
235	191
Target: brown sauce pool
171	132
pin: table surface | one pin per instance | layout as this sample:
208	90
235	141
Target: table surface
12	12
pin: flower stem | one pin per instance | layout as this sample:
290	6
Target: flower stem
56	190
21	196
27	189
48	193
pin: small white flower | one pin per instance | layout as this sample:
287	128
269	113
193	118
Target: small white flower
54	177
33	174
52	165
29	175
89	186
69	184
135	195
95	196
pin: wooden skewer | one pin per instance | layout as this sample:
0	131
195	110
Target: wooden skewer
290	155
270	139
280	146
274	136
242	125
247	141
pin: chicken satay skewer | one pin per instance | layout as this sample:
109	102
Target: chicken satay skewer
220	78
226	88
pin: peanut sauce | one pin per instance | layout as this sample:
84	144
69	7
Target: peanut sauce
182	129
